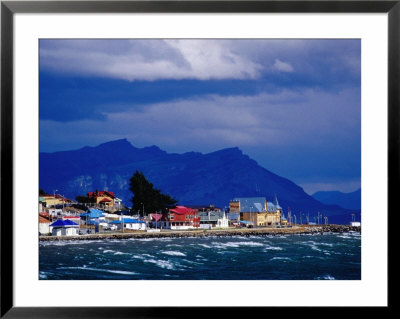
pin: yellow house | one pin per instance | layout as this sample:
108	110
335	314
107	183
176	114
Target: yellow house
103	198
53	200
257	210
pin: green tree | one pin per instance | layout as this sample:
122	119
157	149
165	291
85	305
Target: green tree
146	197
41	192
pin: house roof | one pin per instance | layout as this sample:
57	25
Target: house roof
256	204
251	204
181	210
271	208
63	223
156	217
57	196
276	203
43	220
92	213
101	193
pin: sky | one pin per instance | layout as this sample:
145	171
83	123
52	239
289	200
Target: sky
293	105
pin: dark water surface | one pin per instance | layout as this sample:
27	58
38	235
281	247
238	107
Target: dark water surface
290	257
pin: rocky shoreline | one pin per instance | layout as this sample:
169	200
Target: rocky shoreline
296	230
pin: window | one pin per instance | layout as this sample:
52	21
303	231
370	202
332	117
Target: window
171	216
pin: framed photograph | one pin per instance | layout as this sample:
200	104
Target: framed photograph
178	154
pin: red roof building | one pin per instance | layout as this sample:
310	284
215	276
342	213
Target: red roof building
182	217
101	193
104	198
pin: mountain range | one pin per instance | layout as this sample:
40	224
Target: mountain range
192	178
346	200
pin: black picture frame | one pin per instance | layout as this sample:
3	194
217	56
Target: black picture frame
9	8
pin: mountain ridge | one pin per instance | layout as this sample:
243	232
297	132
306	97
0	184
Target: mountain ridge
192	177
351	200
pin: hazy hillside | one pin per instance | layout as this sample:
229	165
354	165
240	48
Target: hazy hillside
346	200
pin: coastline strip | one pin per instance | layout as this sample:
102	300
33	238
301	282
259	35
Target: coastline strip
296	230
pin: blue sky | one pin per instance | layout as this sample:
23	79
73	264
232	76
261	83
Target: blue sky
292	105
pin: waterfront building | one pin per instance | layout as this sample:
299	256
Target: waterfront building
103	198
129	223
233	219
211	218
44	226
42	204
257	210
117	203
181	218
54	213
93	215
64	228
55	200
75	219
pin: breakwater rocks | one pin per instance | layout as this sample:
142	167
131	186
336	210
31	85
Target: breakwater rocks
265	231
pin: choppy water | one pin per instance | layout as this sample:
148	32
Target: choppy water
291	257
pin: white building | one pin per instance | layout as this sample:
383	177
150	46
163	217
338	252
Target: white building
64	228
129	223
211	219
44	226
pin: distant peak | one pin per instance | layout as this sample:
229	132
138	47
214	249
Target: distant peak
122	141
154	149
230	150
233	149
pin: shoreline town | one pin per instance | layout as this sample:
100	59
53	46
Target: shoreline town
102	216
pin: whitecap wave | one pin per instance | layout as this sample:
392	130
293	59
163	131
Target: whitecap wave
84	267
273	248
173	253
69	242
146	258
166	264
42	275
192	262
281	258
325	277
120	253
233	244
204	245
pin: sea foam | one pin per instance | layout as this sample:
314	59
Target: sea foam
173	253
